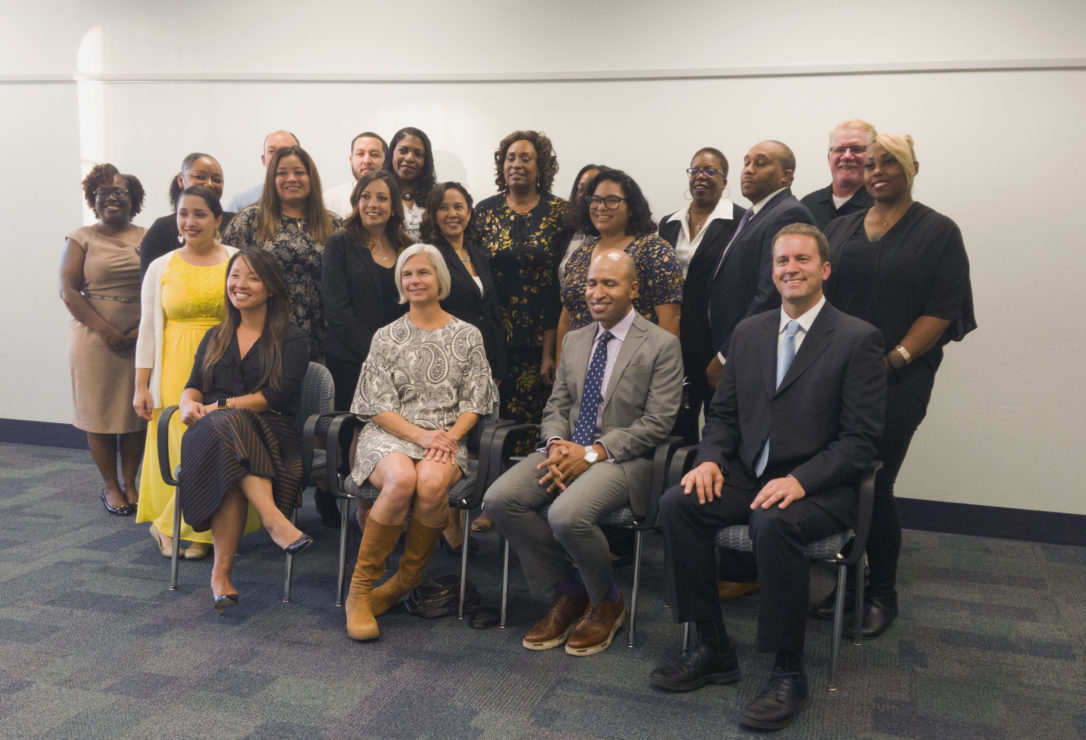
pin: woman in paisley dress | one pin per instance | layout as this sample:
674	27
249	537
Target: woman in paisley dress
423	386
182	298
521	227
290	221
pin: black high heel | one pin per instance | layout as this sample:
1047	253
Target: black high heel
226	601
299	544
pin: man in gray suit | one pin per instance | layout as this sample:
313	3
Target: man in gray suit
615	398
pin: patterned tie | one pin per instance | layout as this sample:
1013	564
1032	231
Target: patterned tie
784	360
592	396
747	216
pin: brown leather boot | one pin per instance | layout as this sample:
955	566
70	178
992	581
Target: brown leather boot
418	545
378	540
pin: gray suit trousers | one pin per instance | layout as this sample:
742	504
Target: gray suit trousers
515	502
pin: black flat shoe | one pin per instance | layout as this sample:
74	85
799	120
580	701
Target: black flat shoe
327	508
126	510
782	699
226	601
879	613
697	668
299	544
824	608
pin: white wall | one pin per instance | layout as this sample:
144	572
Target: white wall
991	92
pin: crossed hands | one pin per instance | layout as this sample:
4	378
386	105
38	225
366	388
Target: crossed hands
565	461
440	446
707	481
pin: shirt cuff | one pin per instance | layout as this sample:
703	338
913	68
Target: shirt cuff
721	357
610	458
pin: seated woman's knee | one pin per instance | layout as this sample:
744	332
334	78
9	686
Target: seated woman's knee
433	484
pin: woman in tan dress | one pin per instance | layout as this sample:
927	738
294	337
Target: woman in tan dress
99	283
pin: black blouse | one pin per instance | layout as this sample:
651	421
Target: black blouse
467	304
918	268
234	375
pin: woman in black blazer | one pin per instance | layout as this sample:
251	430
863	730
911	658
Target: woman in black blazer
358	286
699	232
448	225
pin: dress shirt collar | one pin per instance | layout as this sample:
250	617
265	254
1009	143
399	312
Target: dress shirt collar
761	204
619	330
725	211
805	320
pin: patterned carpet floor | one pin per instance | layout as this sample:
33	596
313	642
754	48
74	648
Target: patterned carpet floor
991	642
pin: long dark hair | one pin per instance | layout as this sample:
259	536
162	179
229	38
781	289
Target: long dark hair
431	233
571	219
317	221
276	319
186	165
394	232
427	177
639	221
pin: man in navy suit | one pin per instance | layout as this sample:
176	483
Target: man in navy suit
741	284
794	422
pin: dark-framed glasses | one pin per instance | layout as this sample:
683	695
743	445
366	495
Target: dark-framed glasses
610	203
104	193
708	172
855	150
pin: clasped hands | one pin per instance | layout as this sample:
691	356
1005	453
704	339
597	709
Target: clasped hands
707	481
439	446
565	461
193	411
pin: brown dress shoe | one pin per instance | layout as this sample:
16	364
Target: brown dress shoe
594	633
553	629
735	589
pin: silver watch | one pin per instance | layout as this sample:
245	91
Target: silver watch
590	455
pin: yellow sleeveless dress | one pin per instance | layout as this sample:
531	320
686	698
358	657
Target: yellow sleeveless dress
192	300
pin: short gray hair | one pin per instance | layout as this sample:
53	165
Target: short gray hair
444	281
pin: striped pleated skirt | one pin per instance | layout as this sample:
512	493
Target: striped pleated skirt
228	444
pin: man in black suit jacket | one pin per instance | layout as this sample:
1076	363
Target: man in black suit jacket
845	194
741	284
784	445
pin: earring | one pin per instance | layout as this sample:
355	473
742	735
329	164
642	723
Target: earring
218	235
181	240
726	194
687	195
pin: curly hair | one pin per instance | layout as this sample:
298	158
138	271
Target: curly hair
639	216
427	177
431	233
546	159
103	174
394	232
317	220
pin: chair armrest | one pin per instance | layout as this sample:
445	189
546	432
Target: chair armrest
163	433
681	460
660	461
865	506
317	425
337	449
496	449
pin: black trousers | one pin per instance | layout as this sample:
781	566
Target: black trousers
780	537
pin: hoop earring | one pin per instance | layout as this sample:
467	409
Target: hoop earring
687	195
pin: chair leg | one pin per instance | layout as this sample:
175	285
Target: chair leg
636	585
464	565
858	628
686	637
838	623
505	579
175	551
288	576
344	510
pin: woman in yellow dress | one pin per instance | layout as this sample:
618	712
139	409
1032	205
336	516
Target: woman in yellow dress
182	297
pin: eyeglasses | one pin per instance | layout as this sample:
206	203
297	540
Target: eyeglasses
855	150
104	193
610	203
710	172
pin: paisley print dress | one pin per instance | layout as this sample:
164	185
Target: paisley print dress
427	376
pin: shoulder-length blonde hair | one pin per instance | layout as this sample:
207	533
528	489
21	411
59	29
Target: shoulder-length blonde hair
317	220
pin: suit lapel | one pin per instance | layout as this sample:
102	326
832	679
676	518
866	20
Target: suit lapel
634	338
814	344
768	352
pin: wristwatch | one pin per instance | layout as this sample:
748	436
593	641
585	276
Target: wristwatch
590	455
222	403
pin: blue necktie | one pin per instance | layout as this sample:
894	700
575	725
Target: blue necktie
747	216
592	396
784	360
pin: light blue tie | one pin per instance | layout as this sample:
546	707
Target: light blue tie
784	360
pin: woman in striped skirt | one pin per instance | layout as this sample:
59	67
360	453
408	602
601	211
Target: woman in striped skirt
239	405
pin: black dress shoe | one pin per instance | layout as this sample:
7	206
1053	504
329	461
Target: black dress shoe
879	613
125	510
824	608
299	544
327	508
697	668
777	706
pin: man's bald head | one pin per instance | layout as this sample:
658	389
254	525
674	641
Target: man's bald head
611	286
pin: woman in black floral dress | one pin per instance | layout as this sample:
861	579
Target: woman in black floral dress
521	228
290	221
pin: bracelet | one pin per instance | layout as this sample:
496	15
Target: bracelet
905	354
